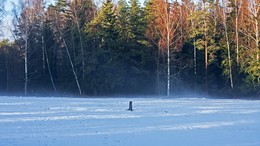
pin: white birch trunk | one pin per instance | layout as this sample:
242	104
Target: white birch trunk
25	37
158	72
194	51
205	38
228	46
71	63
166	32
168	51
70	60
168	65
237	48
257	38
236	25
206	45
26	64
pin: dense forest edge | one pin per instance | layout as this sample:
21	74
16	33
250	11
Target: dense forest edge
166	48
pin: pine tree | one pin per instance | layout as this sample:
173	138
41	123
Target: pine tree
123	23
103	28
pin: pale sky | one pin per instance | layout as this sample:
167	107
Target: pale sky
7	21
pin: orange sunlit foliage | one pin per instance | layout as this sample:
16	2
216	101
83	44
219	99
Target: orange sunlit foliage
167	26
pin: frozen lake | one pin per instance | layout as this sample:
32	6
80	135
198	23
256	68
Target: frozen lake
34	121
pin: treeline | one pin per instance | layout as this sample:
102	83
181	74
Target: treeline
156	48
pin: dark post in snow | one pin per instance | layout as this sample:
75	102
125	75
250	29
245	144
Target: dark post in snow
130	106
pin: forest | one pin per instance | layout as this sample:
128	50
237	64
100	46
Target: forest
159	47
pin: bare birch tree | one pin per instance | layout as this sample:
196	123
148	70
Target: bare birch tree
167	29
25	36
254	8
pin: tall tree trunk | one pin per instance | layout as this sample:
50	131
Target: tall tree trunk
228	46
168	24
194	52
168	65
71	63
257	38
42	37
205	45
255	12
26	64
73	48
168	39
236	29
158	72
49	70
194	57
81	43
69	56
83	55
25	37
7	69
43	57
195	63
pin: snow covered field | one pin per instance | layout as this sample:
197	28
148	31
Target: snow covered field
32	121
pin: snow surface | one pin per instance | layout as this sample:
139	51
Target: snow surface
33	121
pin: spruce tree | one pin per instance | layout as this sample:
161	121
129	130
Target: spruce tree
106	34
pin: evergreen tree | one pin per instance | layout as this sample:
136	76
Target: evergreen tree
106	36
123	23
141	53
165	46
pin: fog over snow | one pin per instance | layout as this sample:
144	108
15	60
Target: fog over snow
34	121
